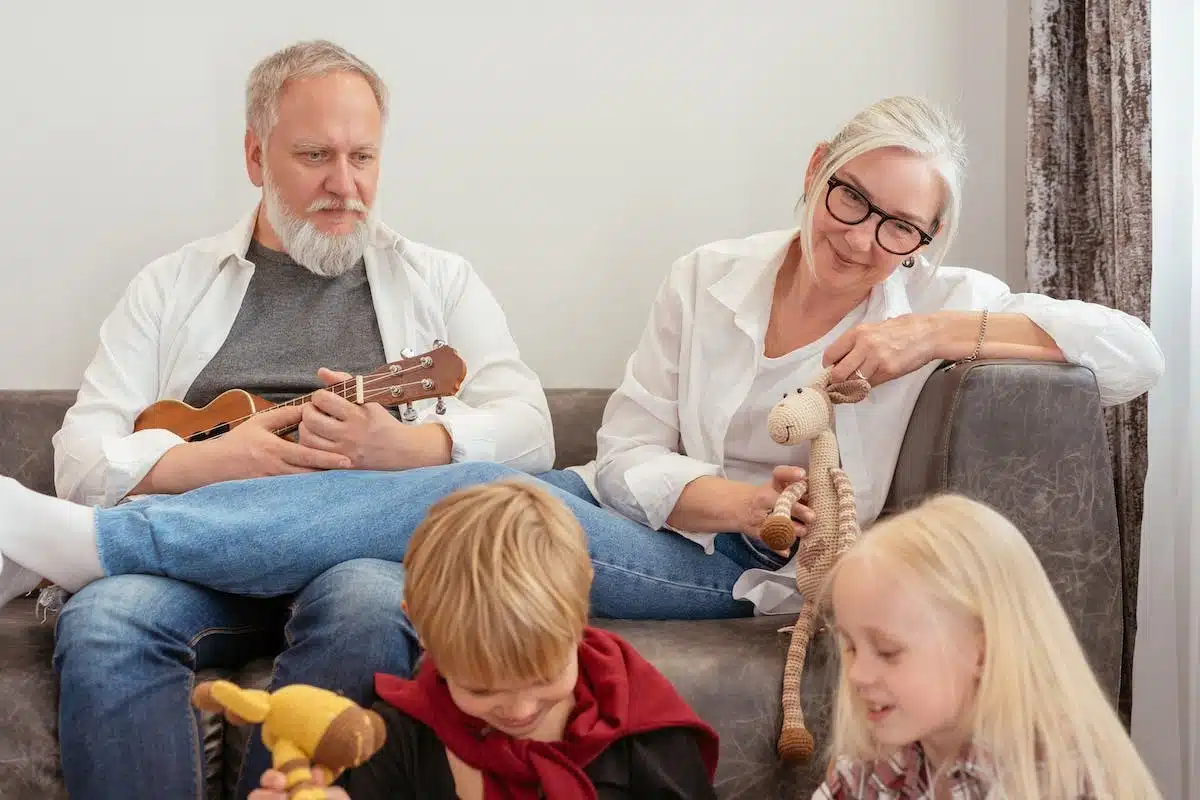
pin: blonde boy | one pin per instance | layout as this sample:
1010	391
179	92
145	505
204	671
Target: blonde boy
516	695
496	586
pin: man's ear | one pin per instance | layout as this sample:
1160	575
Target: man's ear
814	166
254	157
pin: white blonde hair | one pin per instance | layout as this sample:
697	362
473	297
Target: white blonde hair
1039	713
310	59
909	123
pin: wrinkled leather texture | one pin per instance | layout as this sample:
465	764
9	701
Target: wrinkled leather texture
1027	438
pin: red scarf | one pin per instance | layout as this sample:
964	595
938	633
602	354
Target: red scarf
610	673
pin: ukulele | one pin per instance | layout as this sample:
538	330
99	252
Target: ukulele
438	373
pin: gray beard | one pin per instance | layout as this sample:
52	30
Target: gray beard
320	253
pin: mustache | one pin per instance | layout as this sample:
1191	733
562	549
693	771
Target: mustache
335	204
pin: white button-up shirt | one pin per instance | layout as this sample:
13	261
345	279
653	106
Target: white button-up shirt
177	311
666	424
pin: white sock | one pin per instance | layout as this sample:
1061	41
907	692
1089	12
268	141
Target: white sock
51	537
15	580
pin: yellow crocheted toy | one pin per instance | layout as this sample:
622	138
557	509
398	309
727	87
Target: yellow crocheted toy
302	726
808	415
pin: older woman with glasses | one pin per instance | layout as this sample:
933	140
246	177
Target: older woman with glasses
859	288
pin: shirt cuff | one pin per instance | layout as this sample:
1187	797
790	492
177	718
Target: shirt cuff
471	434
1060	319
129	459
657	483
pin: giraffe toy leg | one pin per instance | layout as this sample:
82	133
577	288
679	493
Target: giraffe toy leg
779	531
795	741
847	511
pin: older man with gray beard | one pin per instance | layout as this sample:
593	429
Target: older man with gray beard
308	283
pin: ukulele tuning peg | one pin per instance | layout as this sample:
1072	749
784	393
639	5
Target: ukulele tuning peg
409	414
438	343
440	408
407	352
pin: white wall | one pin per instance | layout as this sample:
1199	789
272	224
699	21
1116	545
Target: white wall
570	149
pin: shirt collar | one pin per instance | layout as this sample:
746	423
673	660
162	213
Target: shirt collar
972	767
756	260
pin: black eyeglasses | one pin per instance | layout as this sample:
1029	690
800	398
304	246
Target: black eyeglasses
848	206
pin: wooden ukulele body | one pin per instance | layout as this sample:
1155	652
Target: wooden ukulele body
223	414
438	373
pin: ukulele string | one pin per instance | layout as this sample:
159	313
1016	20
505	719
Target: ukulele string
350	389
367	396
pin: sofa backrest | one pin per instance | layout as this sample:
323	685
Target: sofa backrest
28	419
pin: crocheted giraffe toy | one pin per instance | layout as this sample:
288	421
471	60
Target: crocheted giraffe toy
808	415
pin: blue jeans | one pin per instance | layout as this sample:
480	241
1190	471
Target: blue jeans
128	647
196	574
270	536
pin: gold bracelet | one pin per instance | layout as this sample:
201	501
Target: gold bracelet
978	343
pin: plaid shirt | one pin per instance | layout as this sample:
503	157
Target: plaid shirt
905	776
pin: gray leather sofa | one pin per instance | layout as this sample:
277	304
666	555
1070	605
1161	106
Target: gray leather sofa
1025	437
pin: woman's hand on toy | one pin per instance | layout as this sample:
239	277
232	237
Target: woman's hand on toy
762	503
274	786
712	504
884	350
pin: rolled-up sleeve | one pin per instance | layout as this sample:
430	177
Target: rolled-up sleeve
640	472
1117	347
500	414
97	459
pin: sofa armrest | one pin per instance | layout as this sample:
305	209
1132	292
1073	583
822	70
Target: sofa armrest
1028	438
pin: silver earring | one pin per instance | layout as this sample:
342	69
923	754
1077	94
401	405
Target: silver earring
908	263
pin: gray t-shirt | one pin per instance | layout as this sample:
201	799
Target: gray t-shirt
290	323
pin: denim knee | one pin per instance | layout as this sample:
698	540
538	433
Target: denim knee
351	604
105	623
133	625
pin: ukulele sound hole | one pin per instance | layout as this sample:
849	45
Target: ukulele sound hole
210	433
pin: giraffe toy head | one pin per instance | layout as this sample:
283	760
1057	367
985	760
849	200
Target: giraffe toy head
806	414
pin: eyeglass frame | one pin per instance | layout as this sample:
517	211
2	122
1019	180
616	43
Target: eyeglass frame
834	182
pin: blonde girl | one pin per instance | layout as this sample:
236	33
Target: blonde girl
961	676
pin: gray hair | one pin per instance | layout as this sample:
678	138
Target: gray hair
913	124
309	59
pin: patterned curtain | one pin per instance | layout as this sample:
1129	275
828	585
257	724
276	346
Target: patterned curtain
1088	205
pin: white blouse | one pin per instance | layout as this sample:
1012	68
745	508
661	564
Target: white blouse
751	455
700	354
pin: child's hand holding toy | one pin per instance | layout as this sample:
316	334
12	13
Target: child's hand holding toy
313	734
274	786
